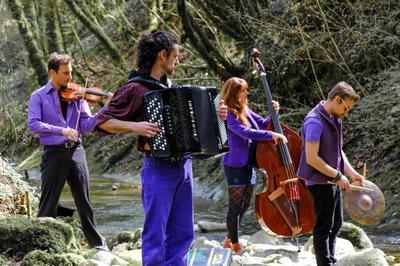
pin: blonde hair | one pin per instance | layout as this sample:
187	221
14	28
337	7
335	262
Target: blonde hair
230	94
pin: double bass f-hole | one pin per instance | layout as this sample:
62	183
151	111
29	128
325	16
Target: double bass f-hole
285	205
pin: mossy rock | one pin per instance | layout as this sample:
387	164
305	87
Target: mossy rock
20	235
77	227
134	239
42	258
356	236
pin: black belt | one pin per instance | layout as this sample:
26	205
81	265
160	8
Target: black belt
66	145
174	159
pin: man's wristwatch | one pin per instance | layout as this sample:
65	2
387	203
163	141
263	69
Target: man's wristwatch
338	176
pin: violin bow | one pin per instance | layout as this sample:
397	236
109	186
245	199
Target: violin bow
80	107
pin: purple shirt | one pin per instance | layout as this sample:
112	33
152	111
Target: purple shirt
240	136
320	127
313	129
45	116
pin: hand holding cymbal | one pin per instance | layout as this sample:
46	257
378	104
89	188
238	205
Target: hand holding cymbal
364	204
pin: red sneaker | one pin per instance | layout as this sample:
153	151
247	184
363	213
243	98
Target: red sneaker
227	243
237	248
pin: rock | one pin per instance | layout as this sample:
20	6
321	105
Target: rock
133	238
125	236
261	237
203	242
40	257
93	262
134	257
206	226
391	259
121	248
373	256
265	250
20	235
355	235
343	247
256	261
109	258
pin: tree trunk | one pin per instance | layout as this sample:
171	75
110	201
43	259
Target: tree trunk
205	48
34	53
87	19
32	17
54	38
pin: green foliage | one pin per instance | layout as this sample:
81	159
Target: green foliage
19	236
309	45
42	258
14	134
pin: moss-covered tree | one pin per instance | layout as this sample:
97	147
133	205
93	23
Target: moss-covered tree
34	53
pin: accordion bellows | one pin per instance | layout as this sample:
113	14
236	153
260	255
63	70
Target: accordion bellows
188	121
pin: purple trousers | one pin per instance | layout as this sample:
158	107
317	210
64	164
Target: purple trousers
168	207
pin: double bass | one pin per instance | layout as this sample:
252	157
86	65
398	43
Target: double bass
285	205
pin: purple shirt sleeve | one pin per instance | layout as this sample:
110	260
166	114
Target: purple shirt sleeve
35	118
246	132
87	121
313	130
261	122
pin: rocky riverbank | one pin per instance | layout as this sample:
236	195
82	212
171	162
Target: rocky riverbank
46	241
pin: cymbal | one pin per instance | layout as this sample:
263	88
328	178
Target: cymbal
365	206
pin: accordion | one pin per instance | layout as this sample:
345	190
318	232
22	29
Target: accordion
188	121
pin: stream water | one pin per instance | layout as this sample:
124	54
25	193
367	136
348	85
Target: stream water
120	209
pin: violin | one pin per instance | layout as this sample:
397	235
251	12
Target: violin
75	92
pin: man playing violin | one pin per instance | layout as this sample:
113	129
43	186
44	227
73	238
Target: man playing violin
59	125
166	186
323	163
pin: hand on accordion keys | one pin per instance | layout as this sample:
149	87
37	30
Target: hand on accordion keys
222	110
145	128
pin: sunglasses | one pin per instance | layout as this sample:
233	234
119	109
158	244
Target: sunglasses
347	109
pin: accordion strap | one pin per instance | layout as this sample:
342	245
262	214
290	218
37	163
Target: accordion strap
152	84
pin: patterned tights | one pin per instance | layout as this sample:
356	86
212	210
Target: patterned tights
239	201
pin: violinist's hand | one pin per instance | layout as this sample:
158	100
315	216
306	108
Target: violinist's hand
276	106
110	96
343	183
222	110
144	128
276	137
70	133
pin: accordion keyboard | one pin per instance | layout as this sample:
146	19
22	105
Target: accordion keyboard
154	109
223	133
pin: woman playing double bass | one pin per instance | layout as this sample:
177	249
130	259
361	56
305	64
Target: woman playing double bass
244	128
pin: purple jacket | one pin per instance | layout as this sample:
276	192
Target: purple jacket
45	117
330	147
239	137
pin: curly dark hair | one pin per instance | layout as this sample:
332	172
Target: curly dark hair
150	44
